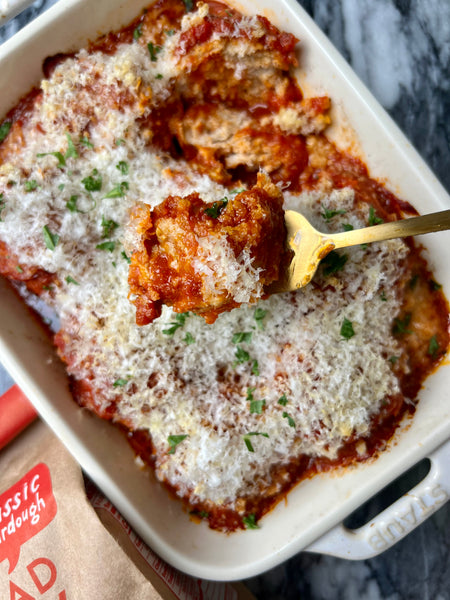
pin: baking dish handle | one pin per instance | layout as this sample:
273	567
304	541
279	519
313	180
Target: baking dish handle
396	521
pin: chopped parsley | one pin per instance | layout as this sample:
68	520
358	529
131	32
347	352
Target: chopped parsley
93	183
19	269
174	440
248	442
401	325
259	315
434	285
241	355
328	214
413	281
242	337
188	4
30	185
347	330
216	208
108	226
70	279
125	257
289	419
85	142
154	51
51	239
383	297
433	346
347	227
120	142
374	219
71	204
137	32
4	130
158	76
283	400
255	367
120	382
189	338
107	246
71	151
118	191
256	406
2	205
393	359
333	262
123	167
170	32
57	155
180	320
249	521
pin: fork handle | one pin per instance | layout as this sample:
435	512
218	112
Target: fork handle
439	221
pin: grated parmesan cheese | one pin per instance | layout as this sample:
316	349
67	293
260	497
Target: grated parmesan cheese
333	385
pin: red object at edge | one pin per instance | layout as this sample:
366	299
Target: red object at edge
16	413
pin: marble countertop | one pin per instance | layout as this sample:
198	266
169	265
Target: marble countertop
401	50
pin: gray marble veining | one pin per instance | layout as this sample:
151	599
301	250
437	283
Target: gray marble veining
401	50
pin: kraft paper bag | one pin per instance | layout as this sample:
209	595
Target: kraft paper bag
51	540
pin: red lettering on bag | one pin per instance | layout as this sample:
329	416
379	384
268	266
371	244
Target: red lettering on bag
25	509
15	589
50	573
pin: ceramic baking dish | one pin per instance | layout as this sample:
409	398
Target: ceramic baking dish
308	518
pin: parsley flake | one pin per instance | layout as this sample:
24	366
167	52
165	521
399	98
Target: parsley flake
401	325
107	246
174	440
120	382
120	142
333	262
118	191
242	337
373	218
248	442
19	269
255	367
123	167
71	204
188	4
70	279
241	355
71	151
347	330
433	347
137	32
51	239
92	183
434	285
30	185
393	359
108	226
283	400
249	521
189	338
123	254
216	208
347	227
256	406
85	142
259	315
57	155
154	51
289	419
4	130
180	320
328	214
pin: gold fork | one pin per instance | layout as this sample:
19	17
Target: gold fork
311	246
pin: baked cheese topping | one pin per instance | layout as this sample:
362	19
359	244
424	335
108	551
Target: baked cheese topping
224	404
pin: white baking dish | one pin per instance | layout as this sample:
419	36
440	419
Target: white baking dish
315	506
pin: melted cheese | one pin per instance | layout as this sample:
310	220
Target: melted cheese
333	385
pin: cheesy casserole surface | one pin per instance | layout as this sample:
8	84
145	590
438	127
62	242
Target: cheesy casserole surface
194	101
